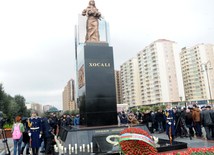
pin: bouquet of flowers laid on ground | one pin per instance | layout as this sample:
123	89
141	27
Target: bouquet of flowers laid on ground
134	141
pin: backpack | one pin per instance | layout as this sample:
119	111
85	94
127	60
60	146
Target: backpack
16	132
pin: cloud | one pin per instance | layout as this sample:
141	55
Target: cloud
37	38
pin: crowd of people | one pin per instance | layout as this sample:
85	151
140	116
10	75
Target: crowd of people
184	122
181	121
40	131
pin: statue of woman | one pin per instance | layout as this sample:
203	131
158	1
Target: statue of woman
92	27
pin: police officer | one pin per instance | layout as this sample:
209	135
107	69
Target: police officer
35	131
170	121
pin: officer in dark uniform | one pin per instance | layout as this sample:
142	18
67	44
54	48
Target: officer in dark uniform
35	131
170	121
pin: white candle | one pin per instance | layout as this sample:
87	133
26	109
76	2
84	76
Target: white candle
88	146
91	145
75	146
80	148
56	149
72	149
83	146
65	149
69	146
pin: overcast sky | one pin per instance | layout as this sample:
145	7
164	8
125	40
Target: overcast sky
37	37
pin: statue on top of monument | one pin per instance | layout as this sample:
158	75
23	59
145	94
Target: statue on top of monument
92	27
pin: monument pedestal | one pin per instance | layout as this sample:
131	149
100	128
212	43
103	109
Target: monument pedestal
97	95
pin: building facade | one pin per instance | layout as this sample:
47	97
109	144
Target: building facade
130	83
46	108
118	86
195	81
69	96
160	73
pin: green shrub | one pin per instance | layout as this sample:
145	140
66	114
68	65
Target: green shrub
134	110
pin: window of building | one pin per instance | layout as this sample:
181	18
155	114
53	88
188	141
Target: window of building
172	99
168	68
170	89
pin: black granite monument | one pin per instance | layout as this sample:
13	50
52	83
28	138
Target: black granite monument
97	95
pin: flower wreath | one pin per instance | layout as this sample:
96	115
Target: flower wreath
134	141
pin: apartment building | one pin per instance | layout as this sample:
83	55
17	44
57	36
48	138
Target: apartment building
69	96
160	73
196	84
130	82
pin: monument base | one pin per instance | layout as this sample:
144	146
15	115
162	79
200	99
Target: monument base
97	135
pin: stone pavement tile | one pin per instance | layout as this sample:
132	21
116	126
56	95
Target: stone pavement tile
9	141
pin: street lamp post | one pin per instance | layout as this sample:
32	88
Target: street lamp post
186	101
128	97
206	68
181	98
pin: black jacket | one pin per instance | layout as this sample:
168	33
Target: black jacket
68	121
63	123
55	119
159	117
205	118
188	118
148	118
26	138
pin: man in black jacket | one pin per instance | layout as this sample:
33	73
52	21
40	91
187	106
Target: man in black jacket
159	120
206	122
47	127
208	108
55	119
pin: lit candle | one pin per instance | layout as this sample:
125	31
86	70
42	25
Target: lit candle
91	145
83	146
88	146
65	149
72	149
75	146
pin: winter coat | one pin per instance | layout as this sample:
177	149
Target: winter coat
196	115
142	118
63	123
159	117
133	120
47	125
68	121
123	120
26	138
188	118
206	118
147	117
77	120
55	119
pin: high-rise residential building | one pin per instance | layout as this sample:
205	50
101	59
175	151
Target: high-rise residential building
118	87
130	82
80	33
46	108
69	96
195	81
160	73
